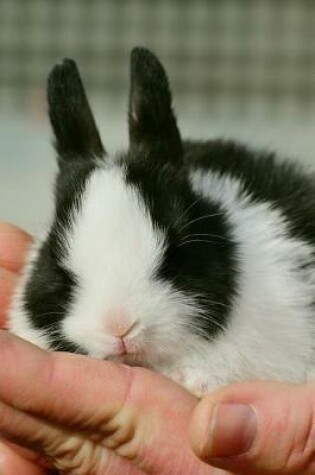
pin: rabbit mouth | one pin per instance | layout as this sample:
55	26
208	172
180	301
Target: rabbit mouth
130	359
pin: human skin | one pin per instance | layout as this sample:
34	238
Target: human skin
71	419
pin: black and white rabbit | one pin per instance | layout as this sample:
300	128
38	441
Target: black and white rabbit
195	259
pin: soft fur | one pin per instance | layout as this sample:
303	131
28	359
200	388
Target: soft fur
194	259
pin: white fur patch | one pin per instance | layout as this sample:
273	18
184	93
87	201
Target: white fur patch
270	334
113	249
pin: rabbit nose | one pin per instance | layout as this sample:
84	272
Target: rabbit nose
119	323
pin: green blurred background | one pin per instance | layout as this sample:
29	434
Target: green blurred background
238	68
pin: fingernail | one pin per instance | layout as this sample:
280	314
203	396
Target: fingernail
233	430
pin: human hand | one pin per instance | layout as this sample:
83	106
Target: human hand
61	407
257	428
85	416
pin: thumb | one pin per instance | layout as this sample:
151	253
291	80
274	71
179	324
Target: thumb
257	428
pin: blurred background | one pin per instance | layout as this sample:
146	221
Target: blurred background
238	68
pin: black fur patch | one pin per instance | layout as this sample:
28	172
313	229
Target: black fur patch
152	123
70	115
199	259
50	288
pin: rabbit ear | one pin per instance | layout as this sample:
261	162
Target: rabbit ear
152	124
70	114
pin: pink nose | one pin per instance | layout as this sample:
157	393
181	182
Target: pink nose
118	322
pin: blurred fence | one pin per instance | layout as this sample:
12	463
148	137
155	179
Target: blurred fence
240	55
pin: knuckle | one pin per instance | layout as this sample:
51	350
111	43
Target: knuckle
75	455
124	432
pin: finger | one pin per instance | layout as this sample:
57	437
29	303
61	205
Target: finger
12	463
257	429
140	415
8	281
64	374
14	244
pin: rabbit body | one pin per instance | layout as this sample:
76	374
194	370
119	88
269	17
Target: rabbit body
195	259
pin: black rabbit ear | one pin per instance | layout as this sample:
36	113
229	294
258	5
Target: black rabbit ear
152	124
70	114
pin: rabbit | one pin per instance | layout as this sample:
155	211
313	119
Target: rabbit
191	258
